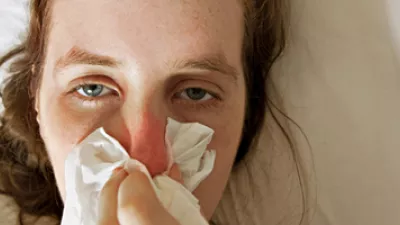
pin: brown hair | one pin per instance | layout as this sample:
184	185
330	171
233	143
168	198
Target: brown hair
26	172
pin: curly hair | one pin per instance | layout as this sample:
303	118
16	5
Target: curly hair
27	174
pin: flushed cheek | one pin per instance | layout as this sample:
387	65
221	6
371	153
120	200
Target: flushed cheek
60	132
64	127
225	142
228	129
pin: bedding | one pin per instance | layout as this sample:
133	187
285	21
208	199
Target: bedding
13	21
340	81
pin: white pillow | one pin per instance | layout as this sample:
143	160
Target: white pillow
341	81
13	24
13	21
340	78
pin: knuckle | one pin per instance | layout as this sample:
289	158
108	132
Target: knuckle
109	185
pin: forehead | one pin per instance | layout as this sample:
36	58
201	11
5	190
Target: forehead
157	29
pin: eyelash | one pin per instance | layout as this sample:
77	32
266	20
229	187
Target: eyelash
94	102
212	103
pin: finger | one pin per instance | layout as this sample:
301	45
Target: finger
108	202
176	174
138	202
202	212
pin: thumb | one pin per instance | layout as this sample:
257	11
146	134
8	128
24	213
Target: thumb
138	203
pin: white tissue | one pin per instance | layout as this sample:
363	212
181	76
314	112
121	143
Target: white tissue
89	166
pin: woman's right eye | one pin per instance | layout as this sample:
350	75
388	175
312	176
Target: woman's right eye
93	90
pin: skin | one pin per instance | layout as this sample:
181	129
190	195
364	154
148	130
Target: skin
128	199
147	54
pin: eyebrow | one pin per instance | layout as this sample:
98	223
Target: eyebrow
214	62
77	56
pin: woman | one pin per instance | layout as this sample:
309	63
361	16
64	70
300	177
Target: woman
127	66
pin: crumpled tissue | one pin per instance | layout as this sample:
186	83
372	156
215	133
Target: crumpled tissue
90	165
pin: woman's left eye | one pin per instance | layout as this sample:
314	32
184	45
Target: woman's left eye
93	90
195	94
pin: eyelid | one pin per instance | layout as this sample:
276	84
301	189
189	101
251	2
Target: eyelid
112	99
210	87
95	79
104	91
210	104
213	95
72	73
198	105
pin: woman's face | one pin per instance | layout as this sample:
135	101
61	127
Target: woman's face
127	65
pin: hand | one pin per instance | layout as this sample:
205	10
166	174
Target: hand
129	199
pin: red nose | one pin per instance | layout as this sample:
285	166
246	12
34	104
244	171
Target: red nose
148	144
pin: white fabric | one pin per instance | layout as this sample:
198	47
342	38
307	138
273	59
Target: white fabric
340	79
13	21
90	165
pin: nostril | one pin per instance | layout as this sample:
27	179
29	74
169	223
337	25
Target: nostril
152	154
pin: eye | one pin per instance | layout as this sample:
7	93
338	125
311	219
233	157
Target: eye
196	94
93	90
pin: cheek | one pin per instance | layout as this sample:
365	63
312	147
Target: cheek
225	141
60	132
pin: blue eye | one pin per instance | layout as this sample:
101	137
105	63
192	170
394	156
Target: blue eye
195	94
93	90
